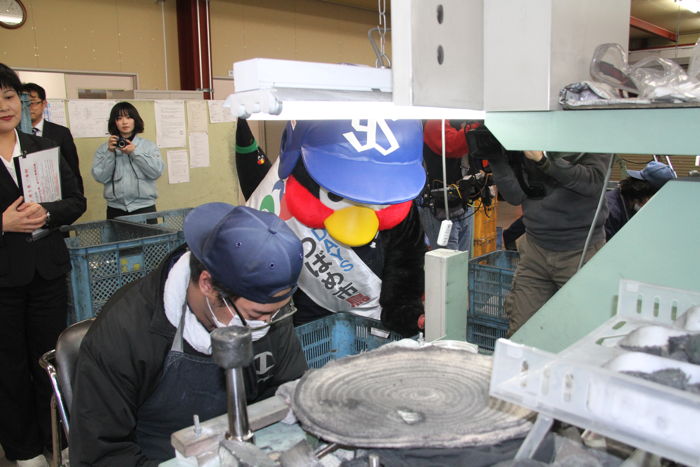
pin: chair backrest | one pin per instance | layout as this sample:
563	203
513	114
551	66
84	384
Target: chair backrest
67	349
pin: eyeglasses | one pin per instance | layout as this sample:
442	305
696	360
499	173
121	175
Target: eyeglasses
35	103
283	313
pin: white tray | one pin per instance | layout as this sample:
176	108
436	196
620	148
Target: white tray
574	386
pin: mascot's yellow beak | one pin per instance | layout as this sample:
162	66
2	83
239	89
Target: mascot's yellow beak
353	226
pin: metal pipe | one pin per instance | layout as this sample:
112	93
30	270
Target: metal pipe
232	349
238	427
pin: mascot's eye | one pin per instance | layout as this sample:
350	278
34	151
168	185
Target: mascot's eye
332	200
337	203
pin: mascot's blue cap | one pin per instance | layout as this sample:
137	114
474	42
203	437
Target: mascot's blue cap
366	161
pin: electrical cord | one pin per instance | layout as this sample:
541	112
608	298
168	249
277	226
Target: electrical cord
444	169
601	199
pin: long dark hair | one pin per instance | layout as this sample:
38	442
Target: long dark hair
128	110
9	79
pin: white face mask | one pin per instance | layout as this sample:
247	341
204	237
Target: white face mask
259	328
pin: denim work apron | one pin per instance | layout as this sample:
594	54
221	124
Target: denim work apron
189	385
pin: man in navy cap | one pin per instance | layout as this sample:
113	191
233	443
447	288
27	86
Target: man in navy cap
633	192
145	366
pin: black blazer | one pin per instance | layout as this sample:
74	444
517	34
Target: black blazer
21	258
64	139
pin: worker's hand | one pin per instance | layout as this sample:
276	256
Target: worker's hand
286	393
112	142
129	148
23	217
534	155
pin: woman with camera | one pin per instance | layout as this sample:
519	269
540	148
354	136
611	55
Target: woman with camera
127	164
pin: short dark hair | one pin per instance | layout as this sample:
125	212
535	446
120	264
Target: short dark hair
9	79
33	87
124	108
196	269
634	189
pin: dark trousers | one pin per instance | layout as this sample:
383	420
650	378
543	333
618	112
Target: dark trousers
31	318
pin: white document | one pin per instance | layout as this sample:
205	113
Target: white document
170	124
218	113
40	176
56	112
199	150
88	118
197	116
178	168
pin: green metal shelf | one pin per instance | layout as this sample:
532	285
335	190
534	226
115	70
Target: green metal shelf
621	131
660	245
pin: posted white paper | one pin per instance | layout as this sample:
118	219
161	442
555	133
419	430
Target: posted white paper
56	112
218	113
178	168
197	116
40	176
170	124
88	118
199	150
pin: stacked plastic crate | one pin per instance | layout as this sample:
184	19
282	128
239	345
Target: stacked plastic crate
490	280
106	255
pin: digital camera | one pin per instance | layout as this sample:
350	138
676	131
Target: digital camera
122	142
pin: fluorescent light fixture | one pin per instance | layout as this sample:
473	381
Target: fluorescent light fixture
691	5
290	90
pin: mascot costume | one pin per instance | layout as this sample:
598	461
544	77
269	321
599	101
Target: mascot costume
346	189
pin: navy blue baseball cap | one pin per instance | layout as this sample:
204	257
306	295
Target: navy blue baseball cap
252	253
656	173
367	161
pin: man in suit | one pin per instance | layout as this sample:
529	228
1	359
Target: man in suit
59	134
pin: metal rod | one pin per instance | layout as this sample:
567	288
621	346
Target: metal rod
238	427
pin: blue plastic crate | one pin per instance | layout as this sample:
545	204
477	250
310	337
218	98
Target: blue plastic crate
340	335
490	281
173	219
107	255
483	331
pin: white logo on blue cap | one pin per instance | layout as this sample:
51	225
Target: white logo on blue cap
371	129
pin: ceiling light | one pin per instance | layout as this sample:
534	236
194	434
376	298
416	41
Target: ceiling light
691	5
269	89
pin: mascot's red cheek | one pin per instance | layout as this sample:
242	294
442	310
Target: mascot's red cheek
304	206
391	216
310	211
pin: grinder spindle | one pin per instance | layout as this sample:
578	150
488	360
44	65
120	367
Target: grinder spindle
232	349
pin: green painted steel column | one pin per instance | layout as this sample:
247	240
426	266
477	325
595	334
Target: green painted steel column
659	245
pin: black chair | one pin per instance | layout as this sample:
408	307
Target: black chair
60	366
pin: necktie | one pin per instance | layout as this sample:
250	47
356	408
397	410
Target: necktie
35	131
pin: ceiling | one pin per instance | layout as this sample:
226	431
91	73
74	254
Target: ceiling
665	14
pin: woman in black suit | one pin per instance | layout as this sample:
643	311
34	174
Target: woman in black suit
33	292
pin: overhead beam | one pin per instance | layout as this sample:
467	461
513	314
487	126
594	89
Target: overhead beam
653	29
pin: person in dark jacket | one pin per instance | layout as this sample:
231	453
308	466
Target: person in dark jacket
633	192
145	367
559	201
56	133
33	292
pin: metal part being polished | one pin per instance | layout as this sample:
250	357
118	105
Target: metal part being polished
232	349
